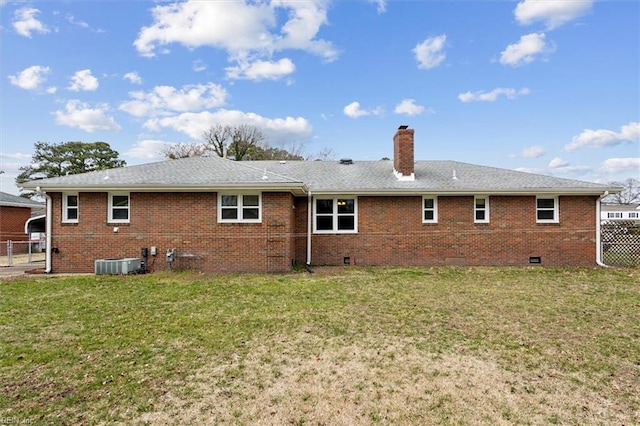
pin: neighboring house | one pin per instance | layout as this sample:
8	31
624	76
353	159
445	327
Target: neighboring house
266	216
620	212
14	213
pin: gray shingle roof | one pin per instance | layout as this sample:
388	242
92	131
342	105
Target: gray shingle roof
15	201
201	173
430	176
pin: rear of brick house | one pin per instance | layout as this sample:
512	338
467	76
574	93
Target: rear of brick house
267	216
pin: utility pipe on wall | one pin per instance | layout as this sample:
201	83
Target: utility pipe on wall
48	227
309	226
599	231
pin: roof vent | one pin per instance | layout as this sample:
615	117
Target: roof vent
346	161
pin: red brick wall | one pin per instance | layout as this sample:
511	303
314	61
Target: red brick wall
184	221
12	220
391	232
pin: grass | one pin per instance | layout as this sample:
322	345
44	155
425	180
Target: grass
341	346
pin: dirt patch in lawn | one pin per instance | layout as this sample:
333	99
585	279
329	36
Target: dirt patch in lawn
318	381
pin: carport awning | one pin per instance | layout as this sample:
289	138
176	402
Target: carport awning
35	224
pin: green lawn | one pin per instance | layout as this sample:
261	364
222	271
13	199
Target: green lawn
338	347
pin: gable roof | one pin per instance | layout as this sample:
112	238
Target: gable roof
11	200
328	177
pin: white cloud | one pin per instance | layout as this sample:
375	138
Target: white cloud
254	34
198	65
51	90
629	133
525	50
492	96
381	5
72	20
261	70
552	13
620	165
429	53
558	162
353	110
133	77
409	107
81	115
25	22
83	81
534	151
148	149
30	78
557	168
194	124
163	100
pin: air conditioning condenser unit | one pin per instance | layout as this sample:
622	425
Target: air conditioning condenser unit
117	266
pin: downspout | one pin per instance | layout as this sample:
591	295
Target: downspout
48	227
309	227
599	232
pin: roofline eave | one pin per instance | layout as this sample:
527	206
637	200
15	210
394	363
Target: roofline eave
468	191
295	188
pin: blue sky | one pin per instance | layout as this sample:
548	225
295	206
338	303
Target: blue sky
544	86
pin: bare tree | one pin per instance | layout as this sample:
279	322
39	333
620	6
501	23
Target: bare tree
217	139
184	150
630	193
325	154
237	141
244	140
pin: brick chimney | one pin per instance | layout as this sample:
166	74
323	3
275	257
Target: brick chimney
403	164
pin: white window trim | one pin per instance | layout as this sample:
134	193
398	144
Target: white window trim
239	207
65	207
476	209
556	216
110	212
435	209
335	215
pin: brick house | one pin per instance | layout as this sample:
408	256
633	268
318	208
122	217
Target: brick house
266	216
14	213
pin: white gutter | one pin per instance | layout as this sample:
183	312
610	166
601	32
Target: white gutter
599	232
309	226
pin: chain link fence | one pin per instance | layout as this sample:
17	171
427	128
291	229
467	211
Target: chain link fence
13	253
620	243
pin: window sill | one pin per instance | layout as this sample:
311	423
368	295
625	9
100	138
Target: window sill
335	232
240	221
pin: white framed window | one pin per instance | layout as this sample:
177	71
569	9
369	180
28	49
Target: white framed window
240	208
119	203
615	215
335	215
634	215
547	210
481	209
429	209
70	207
